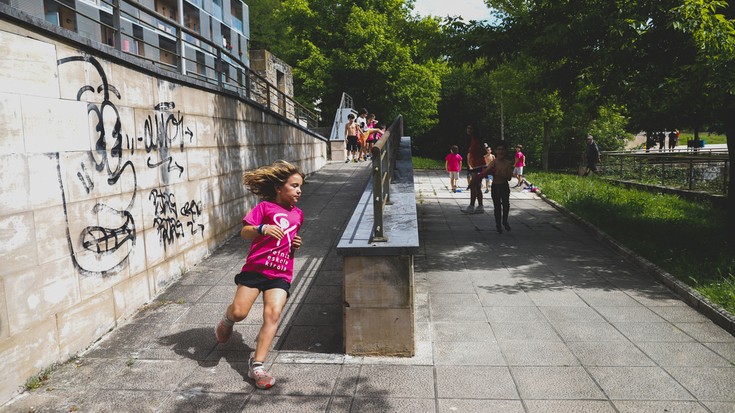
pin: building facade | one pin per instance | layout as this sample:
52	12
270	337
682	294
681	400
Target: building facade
150	29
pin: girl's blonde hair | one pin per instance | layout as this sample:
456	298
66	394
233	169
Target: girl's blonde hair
264	180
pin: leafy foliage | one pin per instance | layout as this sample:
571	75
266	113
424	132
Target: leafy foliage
374	50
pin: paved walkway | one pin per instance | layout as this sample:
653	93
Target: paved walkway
541	319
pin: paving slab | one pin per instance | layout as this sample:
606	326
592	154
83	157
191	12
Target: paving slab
542	319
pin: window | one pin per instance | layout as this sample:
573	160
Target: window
217	8
236	13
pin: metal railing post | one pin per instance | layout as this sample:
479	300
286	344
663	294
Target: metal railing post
116	24
248	84
180	46
378	234
726	176
219	67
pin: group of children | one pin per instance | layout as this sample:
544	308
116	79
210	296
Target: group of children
361	134
495	169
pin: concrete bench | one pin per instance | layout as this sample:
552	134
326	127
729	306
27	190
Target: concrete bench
378	276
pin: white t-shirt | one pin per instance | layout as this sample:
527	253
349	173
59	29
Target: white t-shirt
362	123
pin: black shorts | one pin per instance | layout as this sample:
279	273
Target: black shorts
352	143
262	283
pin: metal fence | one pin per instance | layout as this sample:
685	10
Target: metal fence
187	52
384	161
701	171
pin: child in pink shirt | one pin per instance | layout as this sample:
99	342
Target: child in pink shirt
273	226
453	164
520	162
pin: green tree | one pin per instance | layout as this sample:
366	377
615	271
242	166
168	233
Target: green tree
711	25
374	50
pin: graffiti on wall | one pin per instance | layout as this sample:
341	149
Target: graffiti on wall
169	219
101	233
161	132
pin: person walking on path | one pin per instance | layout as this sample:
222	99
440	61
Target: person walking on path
593	155
673	140
453	164
520	162
351	131
502	170
475	164
273	225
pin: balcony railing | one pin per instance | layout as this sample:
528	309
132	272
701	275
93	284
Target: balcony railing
190	54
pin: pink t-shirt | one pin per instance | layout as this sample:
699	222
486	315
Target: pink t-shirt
269	256
519	160
454	162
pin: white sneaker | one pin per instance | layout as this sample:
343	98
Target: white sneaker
469	210
257	372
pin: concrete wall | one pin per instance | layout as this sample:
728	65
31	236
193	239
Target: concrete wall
112	182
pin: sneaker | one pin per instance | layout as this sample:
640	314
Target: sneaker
507	226
347	160
459	190
499	229
487	190
223	331
469	210
480	210
257	372
354	160
454	190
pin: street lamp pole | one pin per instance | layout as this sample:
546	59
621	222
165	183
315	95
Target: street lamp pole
502	117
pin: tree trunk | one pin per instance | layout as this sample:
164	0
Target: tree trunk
729	117
545	145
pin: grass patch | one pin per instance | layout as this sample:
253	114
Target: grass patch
709	138
160	303
687	239
427	163
39	379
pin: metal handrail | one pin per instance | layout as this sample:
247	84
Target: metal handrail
384	162
245	81
691	171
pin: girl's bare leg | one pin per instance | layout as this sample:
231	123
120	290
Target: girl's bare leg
243	302
273	302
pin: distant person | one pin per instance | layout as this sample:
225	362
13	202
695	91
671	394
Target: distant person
673	140
661	140
488	158
361	138
453	164
272	226
593	155
502	170
371	132
351	131
475	165
650	141
520	162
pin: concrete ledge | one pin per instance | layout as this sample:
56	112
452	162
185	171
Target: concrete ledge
693	298
379	277
399	220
